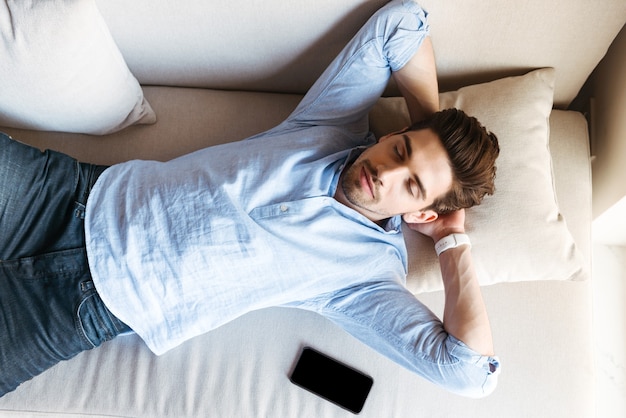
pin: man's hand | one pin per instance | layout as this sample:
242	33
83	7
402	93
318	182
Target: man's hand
444	225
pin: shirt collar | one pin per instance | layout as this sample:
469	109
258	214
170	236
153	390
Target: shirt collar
393	225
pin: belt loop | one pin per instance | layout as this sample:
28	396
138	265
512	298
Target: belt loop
86	286
88	175
79	210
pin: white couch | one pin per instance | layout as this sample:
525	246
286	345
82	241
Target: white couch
222	70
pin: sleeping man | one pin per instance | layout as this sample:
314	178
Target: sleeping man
306	215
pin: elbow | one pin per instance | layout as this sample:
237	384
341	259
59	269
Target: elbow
478	380
481	390
473	375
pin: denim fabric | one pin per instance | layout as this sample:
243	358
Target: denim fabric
49	308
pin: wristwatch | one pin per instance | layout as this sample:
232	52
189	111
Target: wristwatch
451	241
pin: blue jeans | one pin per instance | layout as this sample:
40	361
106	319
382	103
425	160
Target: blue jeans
49	308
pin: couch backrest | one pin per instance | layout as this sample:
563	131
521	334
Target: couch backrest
282	46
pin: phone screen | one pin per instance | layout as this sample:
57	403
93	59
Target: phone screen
331	380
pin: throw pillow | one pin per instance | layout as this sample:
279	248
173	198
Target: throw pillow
60	70
518	233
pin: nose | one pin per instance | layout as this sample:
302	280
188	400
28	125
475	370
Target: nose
389	173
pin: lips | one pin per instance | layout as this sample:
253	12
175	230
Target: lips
366	182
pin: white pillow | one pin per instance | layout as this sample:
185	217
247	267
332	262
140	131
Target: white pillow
60	70
518	233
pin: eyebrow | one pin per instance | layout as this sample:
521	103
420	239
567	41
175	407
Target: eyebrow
409	151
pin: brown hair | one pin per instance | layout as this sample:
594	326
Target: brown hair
472	151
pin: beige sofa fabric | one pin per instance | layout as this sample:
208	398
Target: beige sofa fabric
188	119
237	44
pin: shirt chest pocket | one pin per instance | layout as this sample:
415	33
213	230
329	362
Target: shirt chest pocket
299	210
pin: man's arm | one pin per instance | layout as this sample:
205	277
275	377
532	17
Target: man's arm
417	82
465	314
389	43
386	316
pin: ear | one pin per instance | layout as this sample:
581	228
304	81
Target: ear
420	217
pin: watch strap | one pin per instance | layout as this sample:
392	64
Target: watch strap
451	241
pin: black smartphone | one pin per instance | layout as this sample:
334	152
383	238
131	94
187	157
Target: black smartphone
332	380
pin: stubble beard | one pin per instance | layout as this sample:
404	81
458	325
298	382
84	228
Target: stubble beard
352	188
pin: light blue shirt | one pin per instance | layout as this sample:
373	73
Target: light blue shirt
179	248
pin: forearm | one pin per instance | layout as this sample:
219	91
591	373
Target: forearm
465	314
417	82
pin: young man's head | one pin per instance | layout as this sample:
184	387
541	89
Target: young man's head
439	165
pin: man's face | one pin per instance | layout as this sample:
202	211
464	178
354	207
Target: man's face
402	174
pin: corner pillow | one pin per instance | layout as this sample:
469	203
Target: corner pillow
518	233
60	70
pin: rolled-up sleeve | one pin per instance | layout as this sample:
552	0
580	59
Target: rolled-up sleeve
388	318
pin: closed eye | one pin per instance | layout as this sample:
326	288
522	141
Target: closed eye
416	180
398	152
401	154
413	188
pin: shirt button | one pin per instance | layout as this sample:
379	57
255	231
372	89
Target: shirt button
284	208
